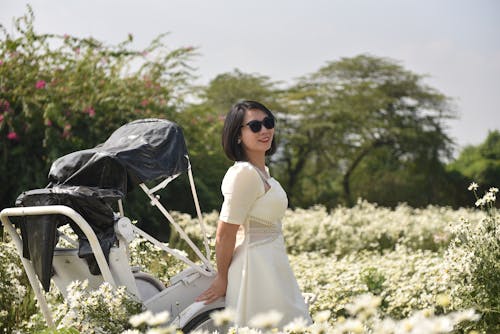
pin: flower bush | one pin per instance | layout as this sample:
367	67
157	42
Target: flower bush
60	94
102	311
436	259
473	261
14	295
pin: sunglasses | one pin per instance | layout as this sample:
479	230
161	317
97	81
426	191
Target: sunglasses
256	125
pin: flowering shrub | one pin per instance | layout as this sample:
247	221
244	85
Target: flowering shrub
365	226
405	280
60	94
14	297
364	317
473	261
413	273
105	310
153	260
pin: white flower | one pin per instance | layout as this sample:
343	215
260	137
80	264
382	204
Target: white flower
472	186
493	190
266	320
365	302
489	197
162	330
223	317
246	330
158	319
200	331
352	325
466	315
443	300
320	328
480	202
387	325
139	319
322	316
298	325
442	325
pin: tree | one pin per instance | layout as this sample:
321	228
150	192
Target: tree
480	163
349	109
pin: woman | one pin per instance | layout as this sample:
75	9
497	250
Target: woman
255	276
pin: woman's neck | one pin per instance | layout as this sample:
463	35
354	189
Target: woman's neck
258	161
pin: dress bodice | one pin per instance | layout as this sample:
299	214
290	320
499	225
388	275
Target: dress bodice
246	201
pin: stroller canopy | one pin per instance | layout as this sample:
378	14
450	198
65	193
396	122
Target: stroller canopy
140	151
90	181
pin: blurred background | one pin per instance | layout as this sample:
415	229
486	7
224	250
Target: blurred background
390	101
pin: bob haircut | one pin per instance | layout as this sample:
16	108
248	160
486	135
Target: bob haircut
232	129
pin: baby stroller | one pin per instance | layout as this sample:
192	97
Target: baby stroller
86	190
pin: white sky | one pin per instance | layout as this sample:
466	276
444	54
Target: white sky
455	42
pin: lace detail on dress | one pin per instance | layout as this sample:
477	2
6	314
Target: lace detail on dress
253	219
262	232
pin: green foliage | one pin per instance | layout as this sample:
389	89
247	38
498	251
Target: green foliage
373	279
59	331
349	109
480	163
228	88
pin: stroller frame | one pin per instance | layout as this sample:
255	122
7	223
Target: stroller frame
177	298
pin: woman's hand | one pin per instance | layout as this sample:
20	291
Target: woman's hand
214	292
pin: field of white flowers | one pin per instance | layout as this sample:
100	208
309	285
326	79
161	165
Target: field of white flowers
373	269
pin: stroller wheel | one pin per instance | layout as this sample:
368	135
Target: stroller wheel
204	322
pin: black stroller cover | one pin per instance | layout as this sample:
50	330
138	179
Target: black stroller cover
91	181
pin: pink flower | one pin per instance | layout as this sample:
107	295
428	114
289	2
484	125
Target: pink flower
12	136
1	118
40	84
144	103
1	62
91	112
66	36
48	122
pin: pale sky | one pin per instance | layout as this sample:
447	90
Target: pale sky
455	42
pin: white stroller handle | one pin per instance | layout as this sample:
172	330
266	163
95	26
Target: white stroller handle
28	266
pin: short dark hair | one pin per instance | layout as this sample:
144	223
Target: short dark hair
232	129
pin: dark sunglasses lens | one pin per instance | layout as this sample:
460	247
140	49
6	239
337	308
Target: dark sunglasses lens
268	122
255	126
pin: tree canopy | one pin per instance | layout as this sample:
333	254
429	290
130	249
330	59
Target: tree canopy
344	113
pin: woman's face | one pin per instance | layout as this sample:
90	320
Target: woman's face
255	142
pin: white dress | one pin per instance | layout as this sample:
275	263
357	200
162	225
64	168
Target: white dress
260	278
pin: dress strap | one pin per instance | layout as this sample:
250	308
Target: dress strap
264	177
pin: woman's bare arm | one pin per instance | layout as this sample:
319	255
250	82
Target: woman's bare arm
224	247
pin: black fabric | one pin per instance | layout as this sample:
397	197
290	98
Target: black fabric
39	236
92	181
143	150
39	233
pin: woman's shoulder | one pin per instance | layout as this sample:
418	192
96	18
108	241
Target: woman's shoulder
242	169
242	173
